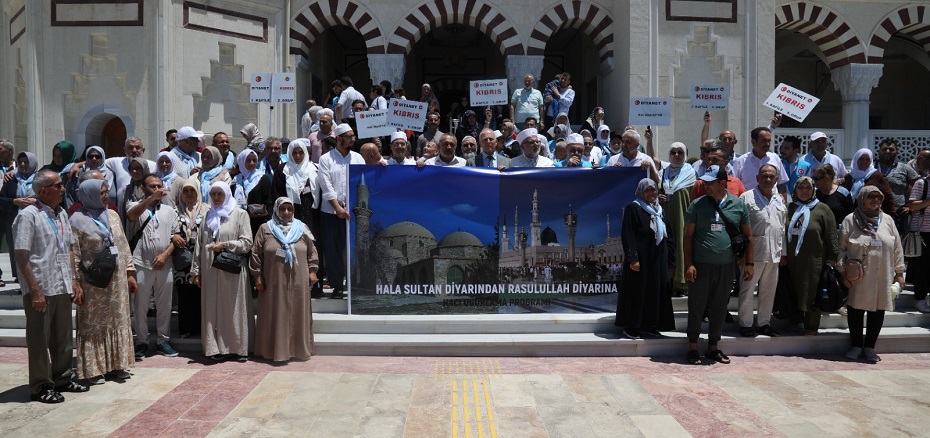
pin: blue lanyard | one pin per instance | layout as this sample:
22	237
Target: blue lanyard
59	231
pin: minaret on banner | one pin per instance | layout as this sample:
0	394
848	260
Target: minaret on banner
505	241
516	226
362	238
571	224
535	226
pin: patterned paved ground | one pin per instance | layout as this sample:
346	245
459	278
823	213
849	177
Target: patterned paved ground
331	396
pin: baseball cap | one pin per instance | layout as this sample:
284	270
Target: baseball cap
817	136
187	132
714	173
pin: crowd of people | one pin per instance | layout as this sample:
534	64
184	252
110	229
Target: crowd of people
120	236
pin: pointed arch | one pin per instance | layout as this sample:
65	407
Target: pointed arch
830	32
591	19
913	21
320	15
475	13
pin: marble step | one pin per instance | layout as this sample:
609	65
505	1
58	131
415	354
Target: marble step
828	342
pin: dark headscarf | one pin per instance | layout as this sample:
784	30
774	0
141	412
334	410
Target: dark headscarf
867	220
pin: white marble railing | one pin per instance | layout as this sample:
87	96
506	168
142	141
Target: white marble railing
910	142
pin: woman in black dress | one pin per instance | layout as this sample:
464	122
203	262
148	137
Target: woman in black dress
645	302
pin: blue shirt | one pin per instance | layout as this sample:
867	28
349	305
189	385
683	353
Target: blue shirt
795	171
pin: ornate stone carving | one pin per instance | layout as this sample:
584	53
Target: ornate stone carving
519	66
387	66
856	81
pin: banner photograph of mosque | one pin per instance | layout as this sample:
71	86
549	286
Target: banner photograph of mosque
471	240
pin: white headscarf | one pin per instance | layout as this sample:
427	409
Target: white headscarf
858	175
216	214
299	175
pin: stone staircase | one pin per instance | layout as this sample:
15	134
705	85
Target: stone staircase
587	334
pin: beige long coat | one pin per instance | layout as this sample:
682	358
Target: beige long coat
880	263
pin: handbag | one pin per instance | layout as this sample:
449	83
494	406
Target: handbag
228	261
854	270
101	269
257	210
182	258
738	242
830	291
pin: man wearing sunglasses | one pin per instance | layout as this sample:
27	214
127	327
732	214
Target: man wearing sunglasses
576	158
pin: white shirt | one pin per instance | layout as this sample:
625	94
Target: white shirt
348	96
596	154
635	162
700	168
437	161
834	161
768	226
565	102
747	166
379	103
523	161
119	168
157	234
334	177
407	161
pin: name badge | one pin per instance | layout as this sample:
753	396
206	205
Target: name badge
875	242
716	227
280	253
114	250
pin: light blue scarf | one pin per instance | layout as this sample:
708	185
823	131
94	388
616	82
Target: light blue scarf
686	177
804	213
294	229
654	210
188	159
205	177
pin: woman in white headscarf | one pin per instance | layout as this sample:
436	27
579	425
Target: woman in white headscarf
562	119
192	213
645	302
675	181
228	324
602	141
211	171
863	173
104	338
284	261
253	190
17	194
810	241
165	168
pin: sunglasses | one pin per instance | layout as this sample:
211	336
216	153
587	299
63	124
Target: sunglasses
94	157
676	152
575	151
705	151
875	197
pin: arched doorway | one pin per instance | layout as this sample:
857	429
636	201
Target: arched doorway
906	70
801	63
447	58
113	137
572	51
338	51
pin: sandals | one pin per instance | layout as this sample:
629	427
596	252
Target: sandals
48	395
72	386
694	358
718	356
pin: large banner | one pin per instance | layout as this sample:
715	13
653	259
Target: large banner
444	240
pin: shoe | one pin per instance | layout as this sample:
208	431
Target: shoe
242	359
767	330
694	358
337	295
854	353
119	374
72	386
165	349
141	351
922	306
718	356
218	357
869	355
97	380
48	395
747	332
631	334
316	293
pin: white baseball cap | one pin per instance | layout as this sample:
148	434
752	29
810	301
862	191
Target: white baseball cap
817	136
187	132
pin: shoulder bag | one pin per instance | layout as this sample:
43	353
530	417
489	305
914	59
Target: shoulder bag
228	261
101	269
135	237
738	242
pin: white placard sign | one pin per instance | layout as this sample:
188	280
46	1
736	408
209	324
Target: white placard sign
791	102
710	97
373	124
406	114
283	88
654	111
260	88
490	92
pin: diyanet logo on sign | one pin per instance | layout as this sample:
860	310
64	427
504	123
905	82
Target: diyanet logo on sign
783	96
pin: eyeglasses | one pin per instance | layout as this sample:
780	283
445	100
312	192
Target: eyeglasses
676	152
875	197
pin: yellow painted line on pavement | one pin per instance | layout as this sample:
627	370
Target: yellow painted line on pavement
470	380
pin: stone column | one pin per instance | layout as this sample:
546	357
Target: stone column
855	83
389	66
519	66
